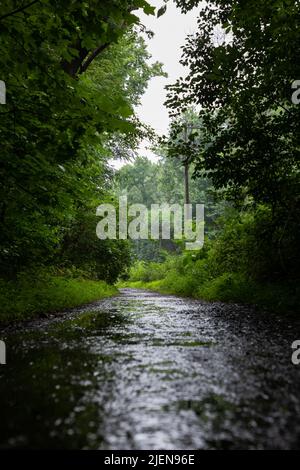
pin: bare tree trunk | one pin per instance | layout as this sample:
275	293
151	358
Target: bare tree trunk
186	184
186	179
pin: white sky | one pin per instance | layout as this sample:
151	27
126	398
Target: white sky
170	31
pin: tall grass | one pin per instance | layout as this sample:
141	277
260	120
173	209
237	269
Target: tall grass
26	298
228	287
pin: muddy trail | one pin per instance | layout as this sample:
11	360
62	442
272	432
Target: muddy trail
147	371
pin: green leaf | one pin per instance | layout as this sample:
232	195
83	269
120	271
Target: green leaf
161	11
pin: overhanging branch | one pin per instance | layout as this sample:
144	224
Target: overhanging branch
92	56
18	10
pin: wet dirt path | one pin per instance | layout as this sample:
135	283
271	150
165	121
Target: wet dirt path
147	371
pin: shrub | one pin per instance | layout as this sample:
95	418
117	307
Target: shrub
243	264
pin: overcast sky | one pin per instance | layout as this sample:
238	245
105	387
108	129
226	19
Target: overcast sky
170	31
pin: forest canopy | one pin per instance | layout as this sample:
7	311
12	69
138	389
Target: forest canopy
74	71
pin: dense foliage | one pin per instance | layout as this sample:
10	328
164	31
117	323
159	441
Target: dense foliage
74	72
237	266
146	182
242	64
242	134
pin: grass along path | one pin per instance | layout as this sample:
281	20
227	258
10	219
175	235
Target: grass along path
228	288
23	300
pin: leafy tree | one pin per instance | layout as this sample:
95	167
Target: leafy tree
105	259
244	81
73	72
147	183
242	63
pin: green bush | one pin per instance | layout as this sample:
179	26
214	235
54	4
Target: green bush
243	264
229	287
147	272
